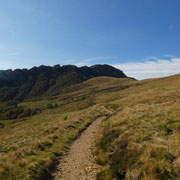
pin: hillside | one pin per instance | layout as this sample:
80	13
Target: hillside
22	84
139	137
142	139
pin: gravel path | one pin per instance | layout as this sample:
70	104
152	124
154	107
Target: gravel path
79	163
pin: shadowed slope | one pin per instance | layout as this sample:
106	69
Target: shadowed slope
48	81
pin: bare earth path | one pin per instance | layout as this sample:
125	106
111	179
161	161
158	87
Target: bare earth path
79	163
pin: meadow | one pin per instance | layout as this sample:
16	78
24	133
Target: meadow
142	139
139	138
31	146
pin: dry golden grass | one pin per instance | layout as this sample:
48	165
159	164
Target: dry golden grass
142	139
30	146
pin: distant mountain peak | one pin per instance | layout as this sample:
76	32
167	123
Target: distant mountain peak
20	84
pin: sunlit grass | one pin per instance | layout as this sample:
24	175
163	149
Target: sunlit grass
139	139
142	140
29	147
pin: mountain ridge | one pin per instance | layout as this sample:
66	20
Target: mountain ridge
21	84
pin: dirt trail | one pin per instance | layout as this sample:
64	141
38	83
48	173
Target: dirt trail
79	163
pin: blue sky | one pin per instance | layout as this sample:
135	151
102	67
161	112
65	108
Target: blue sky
129	34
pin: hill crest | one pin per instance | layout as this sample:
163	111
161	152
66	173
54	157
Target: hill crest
20	84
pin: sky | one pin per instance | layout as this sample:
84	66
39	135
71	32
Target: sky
140	37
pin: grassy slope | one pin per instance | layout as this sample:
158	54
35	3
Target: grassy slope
30	146
139	141
142	139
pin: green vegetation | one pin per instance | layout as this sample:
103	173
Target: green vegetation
11	110
138	139
50	106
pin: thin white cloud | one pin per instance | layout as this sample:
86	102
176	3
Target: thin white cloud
150	69
168	56
95	60
149	58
